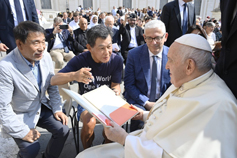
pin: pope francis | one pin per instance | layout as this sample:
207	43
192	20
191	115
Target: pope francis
195	118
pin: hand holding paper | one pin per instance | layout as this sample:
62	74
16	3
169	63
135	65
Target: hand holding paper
116	133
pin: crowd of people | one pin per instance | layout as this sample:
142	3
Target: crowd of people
179	75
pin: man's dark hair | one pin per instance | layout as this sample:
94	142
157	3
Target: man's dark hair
132	16
22	30
75	14
98	31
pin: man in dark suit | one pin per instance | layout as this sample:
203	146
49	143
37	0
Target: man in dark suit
66	19
58	43
141	69
177	15
132	35
226	66
102	18
8	13
80	39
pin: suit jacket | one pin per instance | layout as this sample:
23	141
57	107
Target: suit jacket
116	36
137	75
172	19
68	20
20	96
100	21
125	31
226	66
50	38
7	22
80	41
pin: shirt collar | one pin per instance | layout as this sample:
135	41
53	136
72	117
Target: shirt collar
195	82
159	54
181	3
28	63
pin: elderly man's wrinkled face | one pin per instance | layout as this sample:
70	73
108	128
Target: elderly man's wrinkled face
176	66
109	22
155	39
83	24
34	46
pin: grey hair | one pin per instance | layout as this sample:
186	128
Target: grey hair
202	58
155	24
57	20
98	31
210	24
109	17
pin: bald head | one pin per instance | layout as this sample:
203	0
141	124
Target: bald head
109	21
83	24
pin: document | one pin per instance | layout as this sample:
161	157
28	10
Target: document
104	105
115	45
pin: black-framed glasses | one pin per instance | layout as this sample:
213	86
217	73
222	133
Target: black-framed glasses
156	39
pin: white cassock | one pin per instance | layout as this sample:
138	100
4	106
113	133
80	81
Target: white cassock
196	120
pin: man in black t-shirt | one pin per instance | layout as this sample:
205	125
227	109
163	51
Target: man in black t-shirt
96	67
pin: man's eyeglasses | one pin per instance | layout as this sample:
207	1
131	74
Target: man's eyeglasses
156	39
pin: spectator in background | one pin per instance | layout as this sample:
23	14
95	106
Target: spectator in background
119	11
70	15
196	29
58	43
132	35
93	21
178	15
149	11
102	18
65	18
109	22
211	37
86	16
11	15
74	24
80	39
114	11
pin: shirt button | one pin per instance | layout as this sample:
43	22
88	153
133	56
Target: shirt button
181	88
154	117
149	124
37	113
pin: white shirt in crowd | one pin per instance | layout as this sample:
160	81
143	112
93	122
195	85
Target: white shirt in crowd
133	42
57	43
74	24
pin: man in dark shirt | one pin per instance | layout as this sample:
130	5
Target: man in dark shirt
98	63
80	39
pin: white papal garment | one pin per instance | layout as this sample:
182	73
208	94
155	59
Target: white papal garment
196	120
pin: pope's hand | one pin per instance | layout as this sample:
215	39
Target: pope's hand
115	133
139	116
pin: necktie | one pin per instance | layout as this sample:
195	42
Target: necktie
18	9
66	50
152	97
185	19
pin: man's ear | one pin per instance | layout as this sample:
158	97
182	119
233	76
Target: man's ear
19	44
88	47
166	36
191	66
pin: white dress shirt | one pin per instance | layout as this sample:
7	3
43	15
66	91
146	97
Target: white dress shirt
14	11
57	43
181	9
133	42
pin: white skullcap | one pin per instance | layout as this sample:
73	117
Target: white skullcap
194	40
